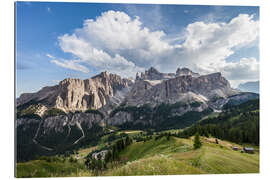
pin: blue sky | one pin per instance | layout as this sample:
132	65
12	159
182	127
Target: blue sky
60	40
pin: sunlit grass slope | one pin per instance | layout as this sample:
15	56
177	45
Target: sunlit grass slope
176	156
42	168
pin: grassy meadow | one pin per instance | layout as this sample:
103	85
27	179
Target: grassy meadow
176	156
153	157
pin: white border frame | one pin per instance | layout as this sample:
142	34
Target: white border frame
8	93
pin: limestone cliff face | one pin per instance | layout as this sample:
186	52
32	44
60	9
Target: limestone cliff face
76	94
107	91
181	88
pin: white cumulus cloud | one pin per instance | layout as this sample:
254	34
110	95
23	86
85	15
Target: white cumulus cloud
71	64
121	44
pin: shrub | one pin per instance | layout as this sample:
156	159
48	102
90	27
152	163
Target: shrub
195	104
72	160
54	112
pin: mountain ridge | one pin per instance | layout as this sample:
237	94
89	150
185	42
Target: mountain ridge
250	86
106	91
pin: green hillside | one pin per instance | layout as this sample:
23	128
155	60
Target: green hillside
51	168
155	157
176	156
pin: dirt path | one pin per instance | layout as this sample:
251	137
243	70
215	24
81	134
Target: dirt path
80	127
34	139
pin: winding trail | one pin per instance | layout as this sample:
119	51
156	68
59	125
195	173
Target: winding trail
80	127
35	141
69	129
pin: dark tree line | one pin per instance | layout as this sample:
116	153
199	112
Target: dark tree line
238	124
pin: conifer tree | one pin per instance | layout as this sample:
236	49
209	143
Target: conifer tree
197	143
127	141
108	156
115	154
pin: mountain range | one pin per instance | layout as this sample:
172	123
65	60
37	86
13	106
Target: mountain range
251	86
76	112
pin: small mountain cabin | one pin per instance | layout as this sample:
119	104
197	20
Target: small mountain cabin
248	150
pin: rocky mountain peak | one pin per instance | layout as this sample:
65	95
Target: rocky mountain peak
185	71
153	74
153	70
69	81
105	74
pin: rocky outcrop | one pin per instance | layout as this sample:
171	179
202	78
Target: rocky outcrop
119	118
76	94
186	72
185	88
26	122
59	128
154	74
58	123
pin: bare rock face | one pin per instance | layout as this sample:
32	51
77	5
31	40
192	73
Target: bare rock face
77	94
26	122
186	72
58	123
46	92
120	118
185	88
154	74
